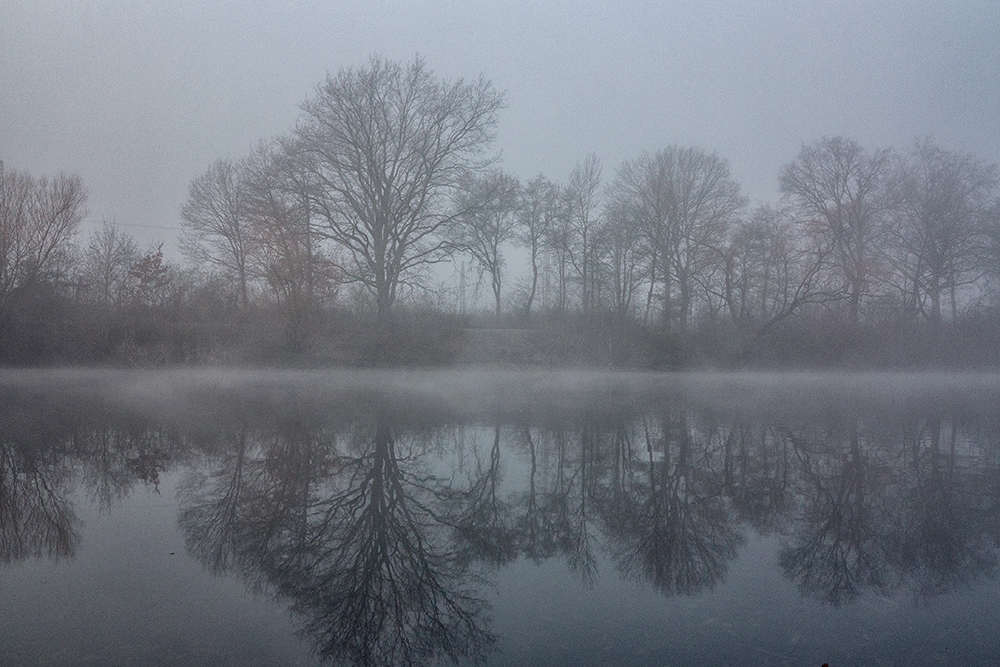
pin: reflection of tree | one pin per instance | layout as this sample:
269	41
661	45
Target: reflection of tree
942	544
923	524
379	592
582	559
562	510
358	549
672	530
534	528
756	476
210	519
36	517
839	548
482	524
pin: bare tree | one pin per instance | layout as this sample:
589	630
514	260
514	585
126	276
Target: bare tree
558	246
387	145
39	218
535	217
771	272
838	188
286	253
641	192
489	204
685	199
942	199
624	254
109	255
583	197
217	224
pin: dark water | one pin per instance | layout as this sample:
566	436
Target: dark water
252	518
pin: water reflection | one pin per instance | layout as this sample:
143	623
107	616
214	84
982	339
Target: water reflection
36	518
382	532
352	530
672	523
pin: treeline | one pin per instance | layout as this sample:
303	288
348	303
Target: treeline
329	242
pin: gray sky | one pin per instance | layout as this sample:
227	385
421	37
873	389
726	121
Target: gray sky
139	97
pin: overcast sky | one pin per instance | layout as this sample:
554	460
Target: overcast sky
140	97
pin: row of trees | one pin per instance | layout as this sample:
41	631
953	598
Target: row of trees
386	173
671	235
40	220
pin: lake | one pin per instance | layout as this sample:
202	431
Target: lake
250	517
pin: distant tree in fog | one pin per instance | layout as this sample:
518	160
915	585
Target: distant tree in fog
536	215
582	198
107	259
387	145
837	190
39	218
942	199
991	251
489	207
685	200
217	224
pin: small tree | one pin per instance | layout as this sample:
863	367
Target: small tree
149	278
536	215
489	204
107	262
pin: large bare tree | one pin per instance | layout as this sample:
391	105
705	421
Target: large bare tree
838	189
942	198
387	145
685	199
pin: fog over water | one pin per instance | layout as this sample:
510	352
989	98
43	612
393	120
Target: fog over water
491	391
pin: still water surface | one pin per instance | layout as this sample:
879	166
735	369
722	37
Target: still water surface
312	518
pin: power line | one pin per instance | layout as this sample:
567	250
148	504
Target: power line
135	224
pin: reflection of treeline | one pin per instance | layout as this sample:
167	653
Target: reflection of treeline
379	534
49	450
668	498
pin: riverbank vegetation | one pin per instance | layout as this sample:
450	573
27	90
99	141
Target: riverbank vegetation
380	230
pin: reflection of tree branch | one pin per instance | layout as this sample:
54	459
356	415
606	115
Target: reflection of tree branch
36	517
482	525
